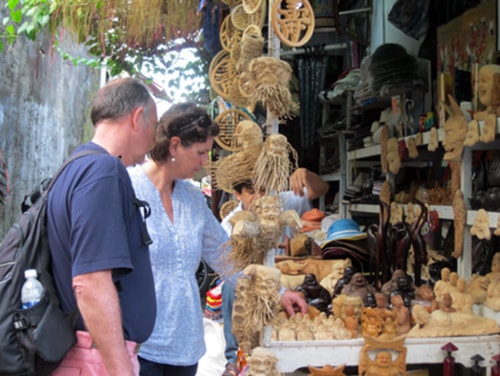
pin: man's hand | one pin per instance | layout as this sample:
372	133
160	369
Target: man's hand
298	181
315	185
293	302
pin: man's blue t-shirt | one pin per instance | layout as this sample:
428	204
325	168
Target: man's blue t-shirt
93	224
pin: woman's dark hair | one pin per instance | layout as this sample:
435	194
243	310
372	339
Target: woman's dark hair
187	121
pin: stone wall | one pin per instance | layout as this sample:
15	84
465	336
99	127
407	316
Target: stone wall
44	114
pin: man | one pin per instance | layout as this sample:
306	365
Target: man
305	186
98	239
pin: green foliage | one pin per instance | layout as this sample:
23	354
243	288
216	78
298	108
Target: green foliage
29	17
26	17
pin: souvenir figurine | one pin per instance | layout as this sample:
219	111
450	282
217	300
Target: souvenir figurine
455	130
476	368
314	294
381	363
358	286
262	362
449	360
495	370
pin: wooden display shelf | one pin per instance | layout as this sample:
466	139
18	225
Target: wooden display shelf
296	354
444	212
374	150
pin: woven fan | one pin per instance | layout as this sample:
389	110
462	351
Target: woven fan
228	120
229	34
242	19
251	6
222	73
293	21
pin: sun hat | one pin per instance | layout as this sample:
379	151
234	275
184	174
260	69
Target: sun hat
311	220
343	229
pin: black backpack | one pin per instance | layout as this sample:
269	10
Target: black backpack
33	341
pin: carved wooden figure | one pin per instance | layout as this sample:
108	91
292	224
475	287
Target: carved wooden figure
263	362
455	130
481	225
381	362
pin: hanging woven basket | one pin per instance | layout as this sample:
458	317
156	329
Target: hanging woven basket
242	19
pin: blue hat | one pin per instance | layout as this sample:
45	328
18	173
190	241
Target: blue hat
343	229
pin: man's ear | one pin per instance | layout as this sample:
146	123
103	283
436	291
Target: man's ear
137	114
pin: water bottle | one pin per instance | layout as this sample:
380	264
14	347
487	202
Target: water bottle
32	289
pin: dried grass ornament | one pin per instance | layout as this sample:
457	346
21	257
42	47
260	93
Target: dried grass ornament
241	19
257	230
256	304
237	168
268	81
248	136
293	21
274	166
251	47
236	96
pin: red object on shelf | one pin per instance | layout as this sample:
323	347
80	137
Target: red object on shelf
495	370
449	360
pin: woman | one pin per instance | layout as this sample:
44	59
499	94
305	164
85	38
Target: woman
187	232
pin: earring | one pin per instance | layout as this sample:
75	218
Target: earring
172	159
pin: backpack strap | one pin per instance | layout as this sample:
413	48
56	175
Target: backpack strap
74	315
44	186
70	159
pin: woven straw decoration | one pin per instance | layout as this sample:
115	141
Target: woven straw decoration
222	73
229	34
241	19
251	47
251	6
245	84
293	21
228	120
235	53
235	96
